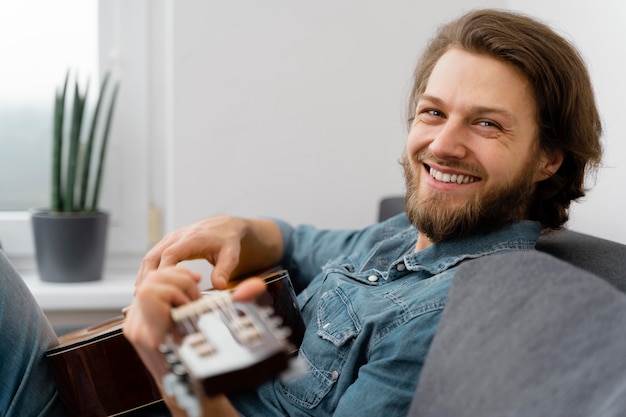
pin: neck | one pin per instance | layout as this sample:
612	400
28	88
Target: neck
423	242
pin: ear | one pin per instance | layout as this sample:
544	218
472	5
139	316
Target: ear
549	164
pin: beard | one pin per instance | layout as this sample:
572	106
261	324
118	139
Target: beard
441	219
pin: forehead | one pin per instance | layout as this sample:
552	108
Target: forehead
468	78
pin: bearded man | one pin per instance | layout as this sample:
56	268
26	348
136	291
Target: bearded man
503	127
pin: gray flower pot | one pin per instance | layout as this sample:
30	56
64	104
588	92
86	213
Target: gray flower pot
70	247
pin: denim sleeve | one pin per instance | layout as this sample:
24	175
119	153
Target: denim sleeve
307	249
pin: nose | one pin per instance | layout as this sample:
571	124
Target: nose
450	141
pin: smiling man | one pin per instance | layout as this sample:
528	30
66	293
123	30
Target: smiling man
503	128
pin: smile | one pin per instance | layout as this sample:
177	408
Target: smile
451	178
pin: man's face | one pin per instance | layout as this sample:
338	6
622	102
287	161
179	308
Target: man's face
472	157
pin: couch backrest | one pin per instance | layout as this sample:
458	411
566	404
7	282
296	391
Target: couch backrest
604	258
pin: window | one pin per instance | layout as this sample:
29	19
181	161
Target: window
41	40
90	37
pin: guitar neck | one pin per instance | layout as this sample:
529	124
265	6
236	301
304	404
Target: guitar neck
224	346
221	337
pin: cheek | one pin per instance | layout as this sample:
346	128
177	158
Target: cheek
504	166
416	141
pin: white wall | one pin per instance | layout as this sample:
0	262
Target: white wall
296	109
287	109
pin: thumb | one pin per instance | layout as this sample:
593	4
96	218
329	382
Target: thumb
219	278
225	264
222	271
249	289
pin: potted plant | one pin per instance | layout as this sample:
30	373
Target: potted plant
70	236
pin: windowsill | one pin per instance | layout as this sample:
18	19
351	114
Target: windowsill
113	292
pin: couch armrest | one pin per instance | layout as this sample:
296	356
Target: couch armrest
526	334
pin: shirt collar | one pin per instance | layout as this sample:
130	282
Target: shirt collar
519	235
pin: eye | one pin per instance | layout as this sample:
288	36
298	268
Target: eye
489	124
429	115
435	113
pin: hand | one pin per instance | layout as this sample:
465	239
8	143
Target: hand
215	239
234	246
148	321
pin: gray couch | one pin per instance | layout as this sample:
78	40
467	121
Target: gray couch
533	333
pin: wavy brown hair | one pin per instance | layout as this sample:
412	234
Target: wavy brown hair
567	115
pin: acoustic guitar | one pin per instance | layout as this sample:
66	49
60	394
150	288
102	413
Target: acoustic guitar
98	372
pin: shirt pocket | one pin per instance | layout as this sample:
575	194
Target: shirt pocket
324	350
342	265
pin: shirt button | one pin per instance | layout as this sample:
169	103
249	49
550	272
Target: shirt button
334	375
372	278
400	267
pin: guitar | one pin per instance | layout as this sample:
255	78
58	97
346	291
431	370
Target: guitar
98	372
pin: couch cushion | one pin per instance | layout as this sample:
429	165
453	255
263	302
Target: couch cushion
525	334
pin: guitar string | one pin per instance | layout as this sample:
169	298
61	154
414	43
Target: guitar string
225	305
221	303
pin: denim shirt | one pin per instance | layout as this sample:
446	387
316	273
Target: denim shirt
371	305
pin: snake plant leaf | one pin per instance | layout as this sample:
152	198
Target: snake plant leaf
89	146
57	147
73	152
103	148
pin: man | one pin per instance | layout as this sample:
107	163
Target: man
503	127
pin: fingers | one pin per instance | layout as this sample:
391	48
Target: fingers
218	240
149	318
158	257
150	262
173	286
249	289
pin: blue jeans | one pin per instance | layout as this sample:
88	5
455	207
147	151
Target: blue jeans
28	387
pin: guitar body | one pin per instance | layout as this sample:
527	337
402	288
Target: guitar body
98	372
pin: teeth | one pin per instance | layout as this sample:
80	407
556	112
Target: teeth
458	178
